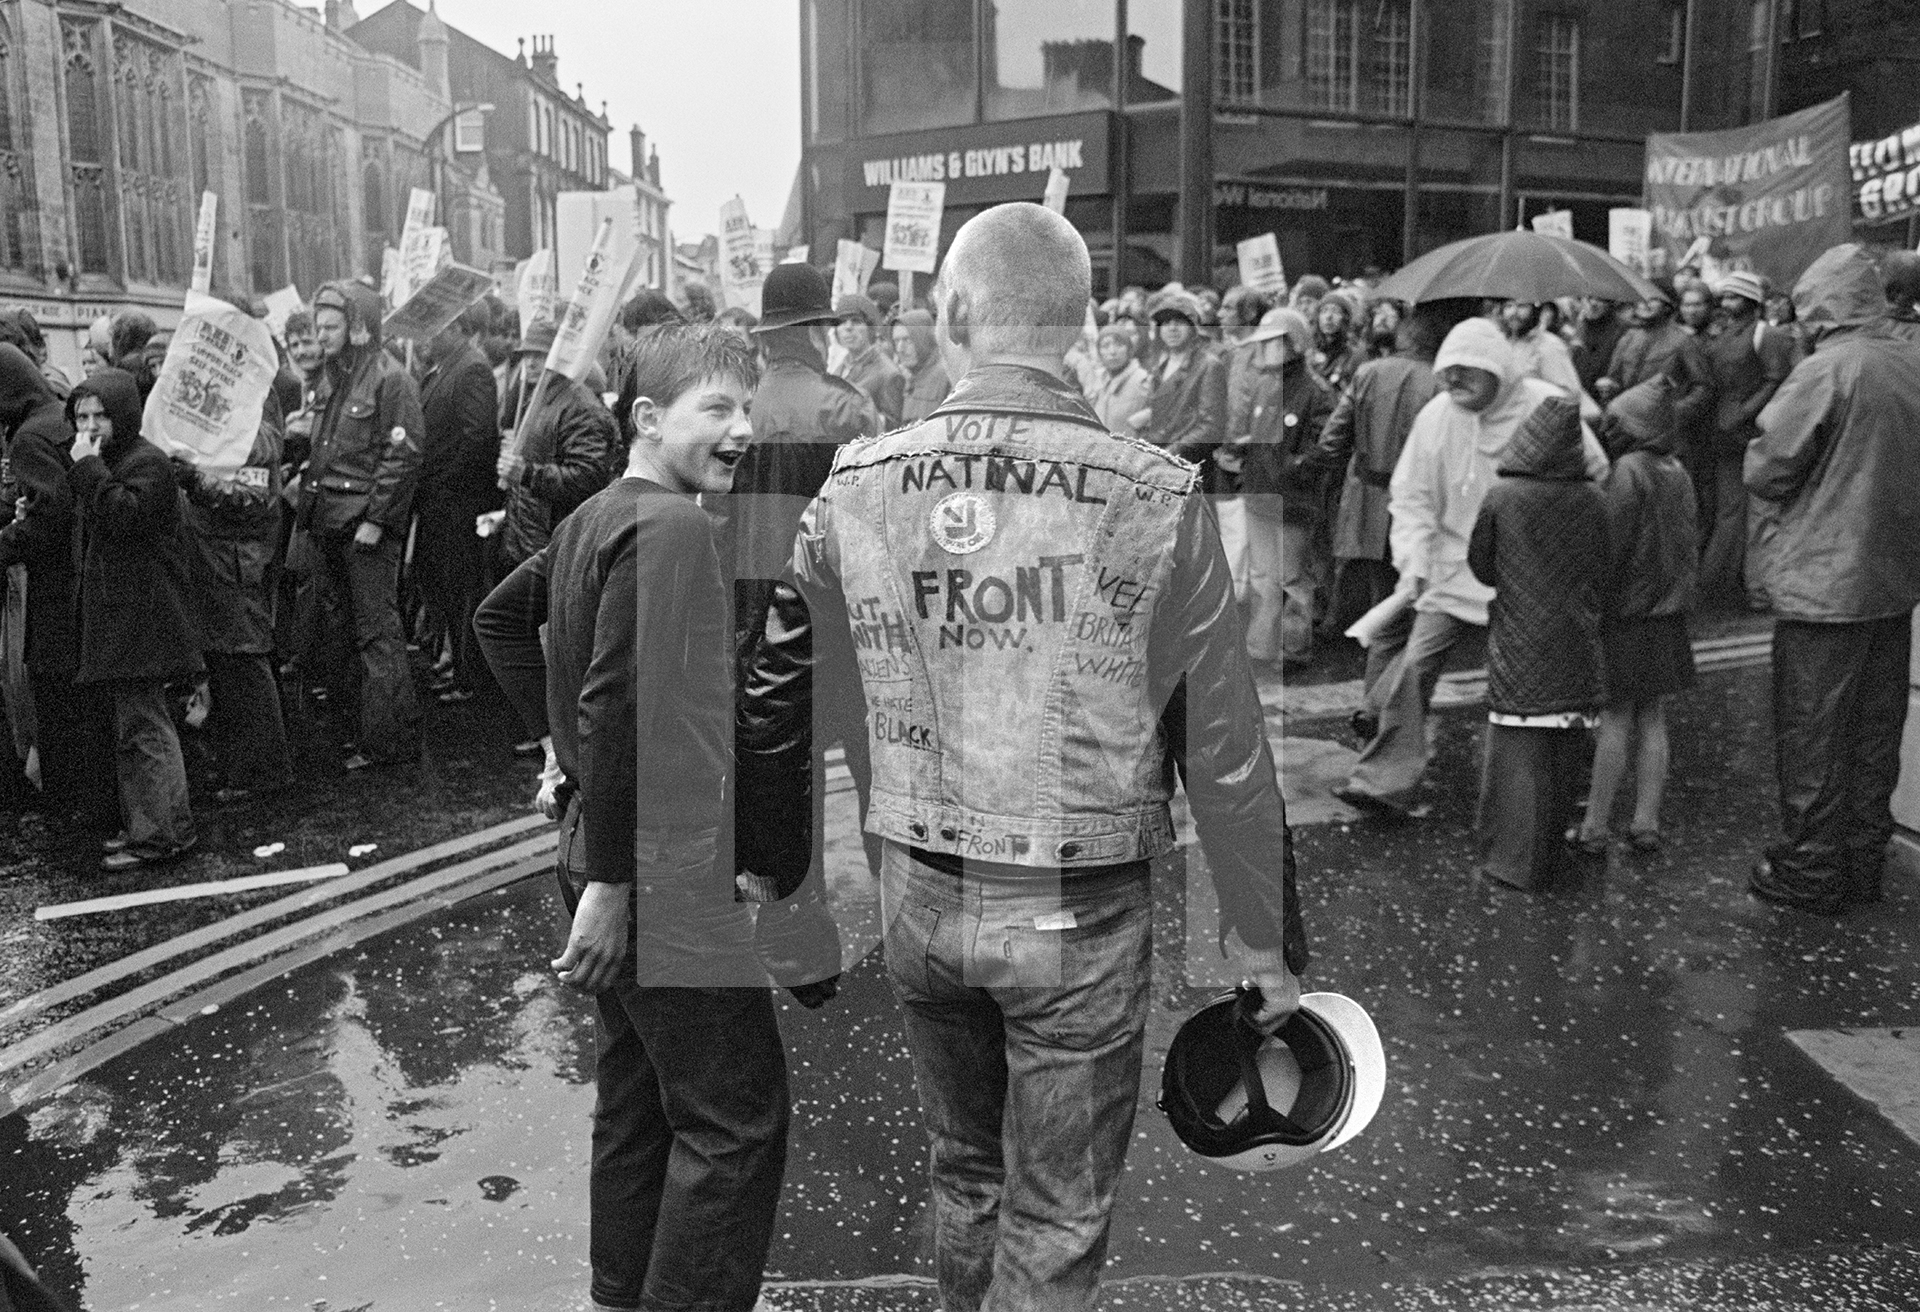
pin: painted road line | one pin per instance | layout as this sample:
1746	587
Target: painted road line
63	1073
76	1027
188	892
22	1009
1880	1066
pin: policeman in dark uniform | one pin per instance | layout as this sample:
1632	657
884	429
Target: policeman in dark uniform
354	503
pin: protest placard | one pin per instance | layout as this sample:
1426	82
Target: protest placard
853	264
763	251
423	253
205	234
1260	266
1629	236
280	307
583	324
1055	196
740	276
213	382
795	255
389	276
438	303
1554	223
913	226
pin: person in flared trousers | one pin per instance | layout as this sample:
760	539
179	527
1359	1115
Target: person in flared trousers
1540	543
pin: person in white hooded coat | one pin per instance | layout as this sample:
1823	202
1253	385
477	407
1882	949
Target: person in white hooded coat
1442	477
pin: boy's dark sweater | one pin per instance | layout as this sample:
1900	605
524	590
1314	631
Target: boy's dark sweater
634	682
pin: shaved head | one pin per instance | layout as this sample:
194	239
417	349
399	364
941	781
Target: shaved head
1015	284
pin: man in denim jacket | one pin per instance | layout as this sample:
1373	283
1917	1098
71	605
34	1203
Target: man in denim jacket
1043	625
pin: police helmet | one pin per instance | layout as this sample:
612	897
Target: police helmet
1259	1102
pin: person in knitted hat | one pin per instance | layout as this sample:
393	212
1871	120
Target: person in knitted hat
1123	389
1188	413
1539	542
1749	359
1643	630
1443	474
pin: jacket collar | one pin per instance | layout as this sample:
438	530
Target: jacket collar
1017	390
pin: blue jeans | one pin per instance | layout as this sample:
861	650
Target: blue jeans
689	1142
1025	997
152	774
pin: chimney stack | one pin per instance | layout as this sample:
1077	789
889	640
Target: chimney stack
546	64
638	141
341	15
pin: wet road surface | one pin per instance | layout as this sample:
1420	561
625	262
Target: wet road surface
1591	1100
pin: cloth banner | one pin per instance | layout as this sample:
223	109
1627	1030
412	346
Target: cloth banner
1770	197
1260	266
442	300
213	383
1630	237
740	276
913	226
1886	177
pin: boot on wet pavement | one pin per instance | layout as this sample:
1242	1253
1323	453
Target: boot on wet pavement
1819	893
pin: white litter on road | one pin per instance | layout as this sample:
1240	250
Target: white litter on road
266	850
187	892
361	849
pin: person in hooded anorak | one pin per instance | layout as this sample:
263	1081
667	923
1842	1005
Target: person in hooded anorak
137	622
1835	465
1443	474
355	501
915	351
1656	564
1540	543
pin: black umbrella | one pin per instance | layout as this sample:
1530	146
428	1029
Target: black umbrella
1515	266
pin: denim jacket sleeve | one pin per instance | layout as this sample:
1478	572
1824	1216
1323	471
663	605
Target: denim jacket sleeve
1217	738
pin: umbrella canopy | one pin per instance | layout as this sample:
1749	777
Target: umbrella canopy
1516	266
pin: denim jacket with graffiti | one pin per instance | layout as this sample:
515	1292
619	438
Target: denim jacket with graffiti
1044	628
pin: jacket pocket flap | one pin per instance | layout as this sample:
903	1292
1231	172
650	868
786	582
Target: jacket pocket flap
358	409
335	482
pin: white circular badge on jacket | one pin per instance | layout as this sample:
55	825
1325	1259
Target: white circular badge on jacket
962	522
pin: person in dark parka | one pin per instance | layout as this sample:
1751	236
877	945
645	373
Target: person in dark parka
1540	543
137	628
72	731
457	486
566	450
234	532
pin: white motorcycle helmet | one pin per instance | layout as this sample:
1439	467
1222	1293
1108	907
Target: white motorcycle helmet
1259	1102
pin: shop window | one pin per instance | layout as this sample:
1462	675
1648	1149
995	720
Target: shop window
259	157
1557	74
1047	56
1236	50
1359	56
916	65
1759	57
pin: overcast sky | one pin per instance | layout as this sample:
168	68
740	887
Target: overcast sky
715	85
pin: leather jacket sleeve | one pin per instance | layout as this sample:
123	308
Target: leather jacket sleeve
402	428
584	440
1216	736
1204	426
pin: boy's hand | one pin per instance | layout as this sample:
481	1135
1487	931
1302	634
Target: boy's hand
597	946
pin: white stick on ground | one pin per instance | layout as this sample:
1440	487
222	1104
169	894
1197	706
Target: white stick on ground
186	892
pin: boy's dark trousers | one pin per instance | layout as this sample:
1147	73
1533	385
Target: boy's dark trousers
689	1139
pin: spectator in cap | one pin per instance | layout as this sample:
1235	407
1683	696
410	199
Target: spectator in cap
866	366
1273	433
1655	347
1334	357
1655	549
1188	413
916	353
1835	458
356	498
561	448
1750	359
1123	389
